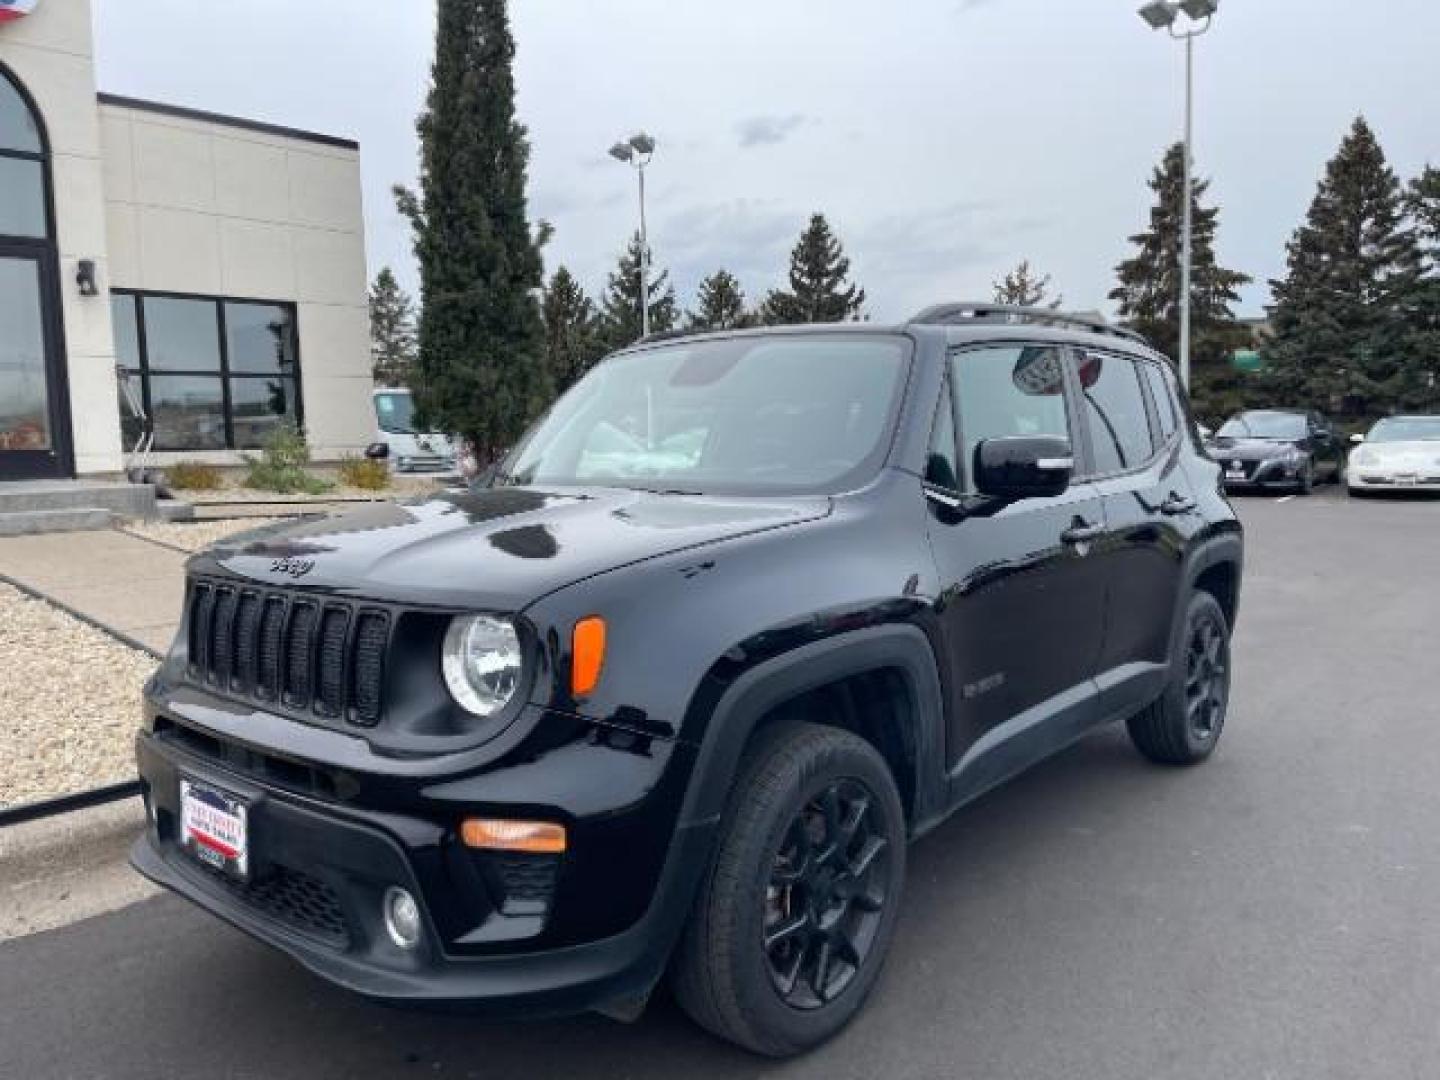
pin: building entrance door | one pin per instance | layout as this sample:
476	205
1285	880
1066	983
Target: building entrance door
32	428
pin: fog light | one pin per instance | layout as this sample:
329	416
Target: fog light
402	918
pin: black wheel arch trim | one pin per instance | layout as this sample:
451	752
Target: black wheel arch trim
902	647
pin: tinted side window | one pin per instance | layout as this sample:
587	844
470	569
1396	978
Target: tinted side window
1009	390
1114	410
1164	403
941	468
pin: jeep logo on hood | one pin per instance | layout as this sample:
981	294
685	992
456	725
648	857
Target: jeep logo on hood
295	568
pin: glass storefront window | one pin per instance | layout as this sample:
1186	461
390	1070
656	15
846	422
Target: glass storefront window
24	392
181	335
18	130
205	390
189	412
22	204
261	339
258	406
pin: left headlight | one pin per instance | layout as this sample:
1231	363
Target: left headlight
482	662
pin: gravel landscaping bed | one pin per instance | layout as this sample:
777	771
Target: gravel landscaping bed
401	487
195	535
69	702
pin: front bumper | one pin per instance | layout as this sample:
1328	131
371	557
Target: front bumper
1373	479
320	868
1270	473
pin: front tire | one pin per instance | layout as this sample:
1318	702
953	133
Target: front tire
797	912
1184	725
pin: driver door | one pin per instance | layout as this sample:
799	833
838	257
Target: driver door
1022	604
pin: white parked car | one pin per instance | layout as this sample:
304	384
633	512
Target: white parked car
409	450
1400	453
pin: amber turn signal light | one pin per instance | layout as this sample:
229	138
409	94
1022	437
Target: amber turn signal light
532	837
587	655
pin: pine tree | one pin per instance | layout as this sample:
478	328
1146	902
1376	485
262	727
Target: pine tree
819	291
572	330
721	304
1023	287
1148	292
1344	336
392	330
620	318
1423	392
481	367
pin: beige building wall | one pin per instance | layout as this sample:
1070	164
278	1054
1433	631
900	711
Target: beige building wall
50	52
205	206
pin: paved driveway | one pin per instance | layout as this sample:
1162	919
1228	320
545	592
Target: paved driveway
1271	915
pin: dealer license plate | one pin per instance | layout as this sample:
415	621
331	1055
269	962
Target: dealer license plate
1406	480
1234	474
214	827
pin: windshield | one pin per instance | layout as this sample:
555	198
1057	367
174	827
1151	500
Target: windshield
1264	425
750	415
1406	429
395	412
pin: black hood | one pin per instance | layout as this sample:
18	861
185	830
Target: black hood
498	549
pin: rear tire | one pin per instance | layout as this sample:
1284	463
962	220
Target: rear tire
1184	724
797	912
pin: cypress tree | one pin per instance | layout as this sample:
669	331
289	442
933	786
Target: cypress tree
1148	289
720	304
481	366
572	330
392	330
1344	335
620	319
819	288
1023	287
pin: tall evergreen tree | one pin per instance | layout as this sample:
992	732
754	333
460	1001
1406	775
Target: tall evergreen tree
1344	338
1148	289
572	330
620	319
392	330
481	368
1423	393
819	287
720	304
1024	287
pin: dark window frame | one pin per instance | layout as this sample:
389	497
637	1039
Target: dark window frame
224	374
1074	420
1076	353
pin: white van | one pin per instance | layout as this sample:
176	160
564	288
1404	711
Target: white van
410	450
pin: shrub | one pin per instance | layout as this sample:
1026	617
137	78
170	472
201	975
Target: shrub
365	473
193	476
281	465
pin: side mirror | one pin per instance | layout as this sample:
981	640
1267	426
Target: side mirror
1357	438
377	451
1023	467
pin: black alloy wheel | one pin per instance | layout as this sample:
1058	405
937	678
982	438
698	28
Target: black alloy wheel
1207	679
827	892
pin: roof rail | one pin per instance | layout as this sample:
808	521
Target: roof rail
968	312
666	335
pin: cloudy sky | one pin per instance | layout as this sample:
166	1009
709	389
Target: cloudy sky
946	139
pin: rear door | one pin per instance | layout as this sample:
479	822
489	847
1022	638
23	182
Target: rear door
1022	602
1133	432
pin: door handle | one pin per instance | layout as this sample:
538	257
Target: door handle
1082	532
1177	504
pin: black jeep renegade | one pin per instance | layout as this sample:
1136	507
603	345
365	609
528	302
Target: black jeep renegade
672	689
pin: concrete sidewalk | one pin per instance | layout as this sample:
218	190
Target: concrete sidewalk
131	585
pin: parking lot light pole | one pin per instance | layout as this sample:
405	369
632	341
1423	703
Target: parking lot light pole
1162	15
637	151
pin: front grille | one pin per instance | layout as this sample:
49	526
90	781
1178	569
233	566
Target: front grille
305	654
296	899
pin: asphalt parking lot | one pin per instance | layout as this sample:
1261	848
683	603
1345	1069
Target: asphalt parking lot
1269	915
